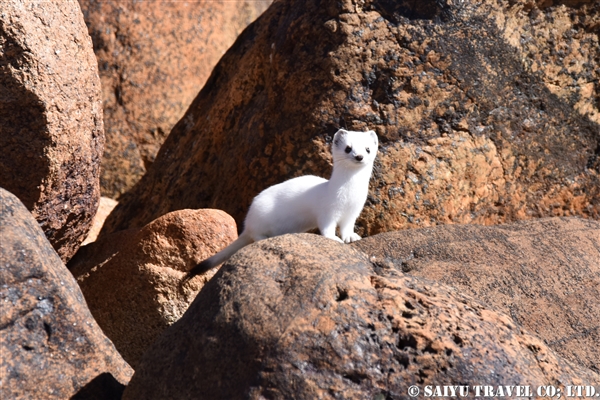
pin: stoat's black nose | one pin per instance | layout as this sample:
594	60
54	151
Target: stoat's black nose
359	157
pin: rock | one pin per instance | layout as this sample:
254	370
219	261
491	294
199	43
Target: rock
100	251
472	129
304	317
103	387
104	209
544	273
51	132
132	280
154	56
51	346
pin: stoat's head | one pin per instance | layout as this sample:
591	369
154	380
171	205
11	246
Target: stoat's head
354	149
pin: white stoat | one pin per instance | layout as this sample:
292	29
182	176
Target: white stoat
308	202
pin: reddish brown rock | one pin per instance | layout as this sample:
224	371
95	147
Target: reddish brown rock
470	130
50	117
544	273
559	41
154	56
106	205
132	280
304	317
50	346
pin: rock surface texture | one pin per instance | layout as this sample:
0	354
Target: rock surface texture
50	346
132	280
51	132
304	317
105	207
470	101
154	57
544	273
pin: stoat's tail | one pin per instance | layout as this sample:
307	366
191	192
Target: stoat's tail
243	240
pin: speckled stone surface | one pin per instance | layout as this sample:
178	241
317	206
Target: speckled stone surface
544	273
304	317
132	280
153	58
50	345
51	131
487	112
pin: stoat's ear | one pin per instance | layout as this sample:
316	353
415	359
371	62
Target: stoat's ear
340	133
374	137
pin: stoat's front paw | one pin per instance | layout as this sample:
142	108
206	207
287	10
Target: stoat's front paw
353	237
334	237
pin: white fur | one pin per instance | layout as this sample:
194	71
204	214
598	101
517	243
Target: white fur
308	202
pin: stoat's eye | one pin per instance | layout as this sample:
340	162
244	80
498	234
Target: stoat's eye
348	149
368	150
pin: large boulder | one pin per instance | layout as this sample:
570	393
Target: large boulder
304	317
544	273
154	56
50	117
50	346
472	125
132	280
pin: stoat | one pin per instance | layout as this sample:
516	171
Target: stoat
308	202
